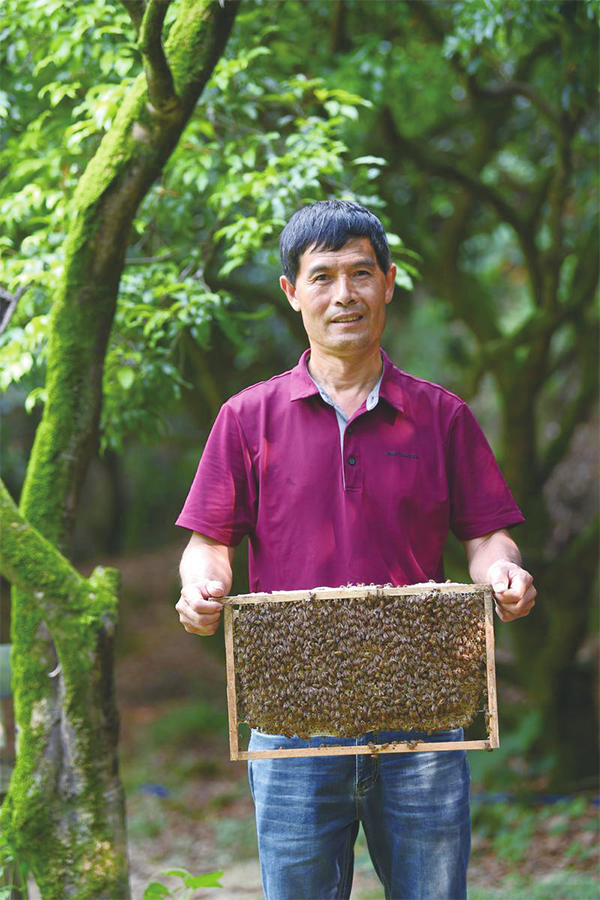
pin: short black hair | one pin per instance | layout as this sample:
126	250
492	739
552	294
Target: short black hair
329	225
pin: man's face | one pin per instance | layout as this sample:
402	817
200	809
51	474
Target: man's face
342	296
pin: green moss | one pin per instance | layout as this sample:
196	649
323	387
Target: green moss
31	818
195	42
74	849
113	154
81	614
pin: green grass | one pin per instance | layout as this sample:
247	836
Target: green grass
235	839
556	886
146	818
511	827
187	724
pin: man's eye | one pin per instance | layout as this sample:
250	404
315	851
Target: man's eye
362	272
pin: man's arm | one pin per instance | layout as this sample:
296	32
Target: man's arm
205	573
495	559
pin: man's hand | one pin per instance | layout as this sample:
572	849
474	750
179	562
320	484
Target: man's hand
205	575
513	589
198	613
495	559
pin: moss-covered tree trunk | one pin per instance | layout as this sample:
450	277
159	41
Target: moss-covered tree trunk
76	777
64	812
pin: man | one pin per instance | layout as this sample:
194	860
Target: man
347	470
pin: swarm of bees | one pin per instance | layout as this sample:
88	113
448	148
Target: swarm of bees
348	666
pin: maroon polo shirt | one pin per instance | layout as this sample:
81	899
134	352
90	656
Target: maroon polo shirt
411	468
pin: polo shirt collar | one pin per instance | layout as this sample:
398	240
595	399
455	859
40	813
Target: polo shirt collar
303	386
390	388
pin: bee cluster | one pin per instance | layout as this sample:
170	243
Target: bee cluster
348	666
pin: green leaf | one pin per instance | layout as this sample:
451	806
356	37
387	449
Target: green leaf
126	377
350	112
155	891
369	161
211	879
404	280
38	394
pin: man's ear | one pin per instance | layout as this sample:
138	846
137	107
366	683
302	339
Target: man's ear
289	290
390	281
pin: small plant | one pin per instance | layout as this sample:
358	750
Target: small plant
13	873
158	891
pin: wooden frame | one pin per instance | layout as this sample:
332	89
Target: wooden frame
492	742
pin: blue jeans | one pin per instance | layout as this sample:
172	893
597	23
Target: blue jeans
414	808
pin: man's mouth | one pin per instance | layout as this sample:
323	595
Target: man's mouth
350	318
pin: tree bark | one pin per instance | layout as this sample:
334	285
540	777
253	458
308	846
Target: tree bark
56	813
71	827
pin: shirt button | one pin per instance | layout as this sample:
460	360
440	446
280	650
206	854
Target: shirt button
351	460
349	429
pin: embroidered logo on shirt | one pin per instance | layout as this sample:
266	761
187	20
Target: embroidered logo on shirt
399	453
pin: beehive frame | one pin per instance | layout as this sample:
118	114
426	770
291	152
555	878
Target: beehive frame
354	592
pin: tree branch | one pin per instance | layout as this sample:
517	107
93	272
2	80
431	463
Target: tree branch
584	549
338	36
34	565
161	89
579	409
557	199
522	89
448	169
437	31
135	8
8	305
273	294
587	270
540	196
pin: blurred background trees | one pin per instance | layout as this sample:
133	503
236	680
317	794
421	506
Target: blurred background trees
471	129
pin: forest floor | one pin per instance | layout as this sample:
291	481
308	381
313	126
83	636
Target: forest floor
189	806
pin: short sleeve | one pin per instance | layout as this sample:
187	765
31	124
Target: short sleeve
222	499
480	499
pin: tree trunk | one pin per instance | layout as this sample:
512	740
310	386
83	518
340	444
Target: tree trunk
64	812
66	808
558	683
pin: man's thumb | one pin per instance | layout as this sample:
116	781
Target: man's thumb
498	577
215	588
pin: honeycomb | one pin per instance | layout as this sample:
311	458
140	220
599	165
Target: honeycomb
347	666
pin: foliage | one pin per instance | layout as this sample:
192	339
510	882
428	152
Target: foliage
65	799
511	829
505	768
259	147
158	891
14	872
187	722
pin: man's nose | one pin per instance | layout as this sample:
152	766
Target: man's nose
343	291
